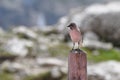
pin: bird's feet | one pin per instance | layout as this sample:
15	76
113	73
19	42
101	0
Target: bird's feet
75	50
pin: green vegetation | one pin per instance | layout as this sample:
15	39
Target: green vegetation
6	76
42	76
102	55
45	76
59	50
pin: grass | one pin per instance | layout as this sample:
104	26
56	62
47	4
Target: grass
42	76
45	76
92	55
103	55
59	50
6	76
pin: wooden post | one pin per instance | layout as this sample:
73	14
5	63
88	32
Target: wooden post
77	65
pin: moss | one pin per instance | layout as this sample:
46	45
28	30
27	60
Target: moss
59	50
43	76
6	76
104	55
24	36
62	50
46	76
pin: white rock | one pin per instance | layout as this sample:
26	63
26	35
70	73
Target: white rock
43	47
64	69
47	41
91	40
109	70
25	31
97	45
43	40
18	47
47	29
102	9
90	36
61	25
102	19
2	31
12	66
50	62
55	72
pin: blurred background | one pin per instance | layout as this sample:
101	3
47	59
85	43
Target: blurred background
34	40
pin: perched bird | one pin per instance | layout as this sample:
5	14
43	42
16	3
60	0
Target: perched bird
75	35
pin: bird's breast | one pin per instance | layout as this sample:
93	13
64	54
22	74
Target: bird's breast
75	35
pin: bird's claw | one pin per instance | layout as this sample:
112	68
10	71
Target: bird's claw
76	50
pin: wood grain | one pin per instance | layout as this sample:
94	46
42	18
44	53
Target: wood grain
77	65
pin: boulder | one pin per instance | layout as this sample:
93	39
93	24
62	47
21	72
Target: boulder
2	32
24	32
11	67
50	68
102	19
50	62
53	68
91	41
104	71
18	47
91	36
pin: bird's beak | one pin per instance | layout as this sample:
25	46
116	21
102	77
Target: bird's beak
68	25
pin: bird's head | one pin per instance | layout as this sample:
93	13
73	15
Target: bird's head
72	26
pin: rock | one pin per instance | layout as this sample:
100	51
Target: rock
49	30
64	69
2	32
55	72
53	69
58	73
50	62
25	32
47	41
11	67
102	19
23	67
104	71
97	45
90	36
105	21
18	47
95	77
62	23
43	47
91	40
43	39
7	57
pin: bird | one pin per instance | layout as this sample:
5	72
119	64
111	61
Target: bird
75	35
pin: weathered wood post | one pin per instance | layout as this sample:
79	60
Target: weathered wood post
77	65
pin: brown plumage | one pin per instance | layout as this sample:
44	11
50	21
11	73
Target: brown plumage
75	34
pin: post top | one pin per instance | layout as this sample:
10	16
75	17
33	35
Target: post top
76	50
